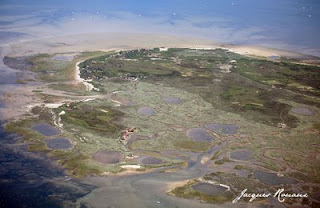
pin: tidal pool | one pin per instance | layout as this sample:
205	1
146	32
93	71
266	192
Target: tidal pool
273	179
46	129
148	160
58	143
172	100
303	111
107	156
146	111
223	128
241	155
199	134
209	189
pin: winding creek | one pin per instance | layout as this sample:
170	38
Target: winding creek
147	189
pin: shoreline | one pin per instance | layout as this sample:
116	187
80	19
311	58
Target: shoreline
19	93
107	43
120	41
78	79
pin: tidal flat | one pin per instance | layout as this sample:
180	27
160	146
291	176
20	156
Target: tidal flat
217	112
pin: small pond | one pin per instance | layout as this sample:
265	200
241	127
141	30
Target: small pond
223	128
146	111
273	179
148	160
303	111
172	100
209	189
107	156
241	155
199	134
46	129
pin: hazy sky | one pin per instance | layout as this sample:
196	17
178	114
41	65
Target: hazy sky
287	24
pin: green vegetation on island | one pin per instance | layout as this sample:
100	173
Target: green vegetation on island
166	107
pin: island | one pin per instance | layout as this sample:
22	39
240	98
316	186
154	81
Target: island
197	123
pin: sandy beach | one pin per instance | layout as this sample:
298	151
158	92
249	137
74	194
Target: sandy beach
78	79
23	95
116	42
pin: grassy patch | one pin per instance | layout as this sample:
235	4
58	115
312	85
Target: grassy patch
222	161
91	118
22	127
77	164
316	126
76	88
188	192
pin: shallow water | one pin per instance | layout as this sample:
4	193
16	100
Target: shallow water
241	155
209	189
181	155
146	190
107	156
272	179
58	143
303	111
30	180
19	63
223	128
146	111
8	75
46	129
150	160
2	105
172	100
199	134
7	36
